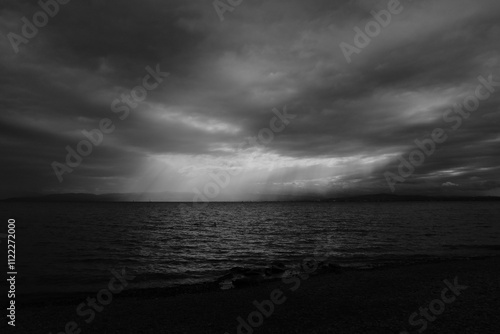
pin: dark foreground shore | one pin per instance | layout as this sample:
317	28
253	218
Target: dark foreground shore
374	301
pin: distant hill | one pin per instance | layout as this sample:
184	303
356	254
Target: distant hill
186	197
76	197
410	198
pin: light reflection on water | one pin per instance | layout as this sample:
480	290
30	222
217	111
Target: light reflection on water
72	246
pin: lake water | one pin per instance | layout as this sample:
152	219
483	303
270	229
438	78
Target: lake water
64	247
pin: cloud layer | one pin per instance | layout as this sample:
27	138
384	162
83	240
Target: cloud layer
353	120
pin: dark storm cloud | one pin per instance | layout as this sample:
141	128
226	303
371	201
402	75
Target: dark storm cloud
225	79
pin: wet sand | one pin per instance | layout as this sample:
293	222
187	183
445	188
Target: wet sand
370	301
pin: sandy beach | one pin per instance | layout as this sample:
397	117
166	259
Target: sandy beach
370	301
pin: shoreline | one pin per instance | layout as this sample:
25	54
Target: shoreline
61	298
354	301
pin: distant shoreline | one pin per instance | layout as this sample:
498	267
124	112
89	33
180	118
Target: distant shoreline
155	198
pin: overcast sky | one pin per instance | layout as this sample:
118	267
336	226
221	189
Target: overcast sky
352	120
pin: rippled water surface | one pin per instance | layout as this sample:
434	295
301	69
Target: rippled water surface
73	246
